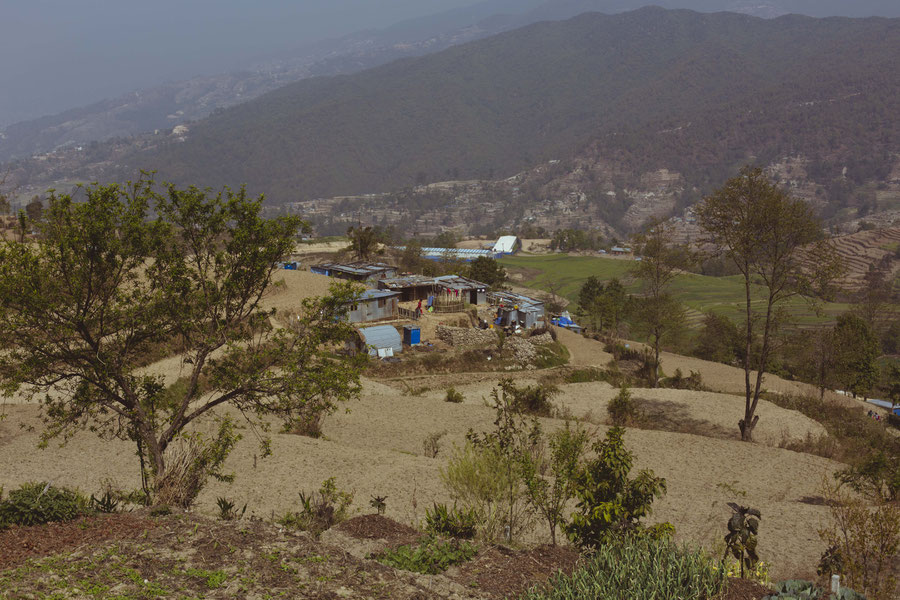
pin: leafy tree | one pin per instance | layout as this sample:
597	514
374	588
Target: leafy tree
4	205
874	298
488	270
34	209
816	354
363	242
658	313
614	302
718	339
590	300
774	239
856	354
610	503
130	270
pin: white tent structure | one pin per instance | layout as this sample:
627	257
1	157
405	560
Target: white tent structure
507	244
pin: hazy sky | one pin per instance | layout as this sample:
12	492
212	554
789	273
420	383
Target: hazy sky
59	54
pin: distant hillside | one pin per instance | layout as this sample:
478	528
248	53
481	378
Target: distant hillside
165	106
695	93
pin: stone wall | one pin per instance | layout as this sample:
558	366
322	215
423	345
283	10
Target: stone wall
466	337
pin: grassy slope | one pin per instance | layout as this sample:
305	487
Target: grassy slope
724	295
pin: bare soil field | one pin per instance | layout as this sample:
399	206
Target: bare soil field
375	447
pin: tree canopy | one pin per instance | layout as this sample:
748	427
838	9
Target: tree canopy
133	274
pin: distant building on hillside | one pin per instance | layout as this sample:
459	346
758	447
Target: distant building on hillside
366	272
620	250
467	290
507	244
409	287
381	341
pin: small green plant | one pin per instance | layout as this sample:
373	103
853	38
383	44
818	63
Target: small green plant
107	503
451	522
587	375
430	556
454	396
740	541
160	510
321	510
39	503
212	579
379	503
636	568
799	589
227	510
621	409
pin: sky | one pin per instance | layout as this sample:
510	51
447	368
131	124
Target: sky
60	54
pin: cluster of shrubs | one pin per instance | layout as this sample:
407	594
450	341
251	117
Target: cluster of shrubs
38	503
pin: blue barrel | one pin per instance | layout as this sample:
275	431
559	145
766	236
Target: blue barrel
412	335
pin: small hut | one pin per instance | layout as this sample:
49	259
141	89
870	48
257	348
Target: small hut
366	272
410	287
462	288
374	305
381	340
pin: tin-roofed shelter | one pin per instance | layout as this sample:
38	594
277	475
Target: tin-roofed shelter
375	305
463	288
464	254
359	271
507	244
381	340
410	287
517	310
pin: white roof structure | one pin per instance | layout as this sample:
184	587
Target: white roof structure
506	244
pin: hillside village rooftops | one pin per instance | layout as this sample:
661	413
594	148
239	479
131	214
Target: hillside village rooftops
457	282
375	294
508	298
406	281
359	269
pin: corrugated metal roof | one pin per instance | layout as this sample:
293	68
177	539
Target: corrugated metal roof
358	268
506	244
407	281
457	282
381	336
373	294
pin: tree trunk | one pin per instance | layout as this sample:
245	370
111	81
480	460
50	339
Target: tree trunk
746	425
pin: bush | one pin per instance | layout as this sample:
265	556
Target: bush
430	556
799	589
451	522
630	568
39	503
454	396
609	503
587	375
320	511
621	409
531	399
864	541
678	381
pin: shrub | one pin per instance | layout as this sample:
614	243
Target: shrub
864	541
678	381
621	409
454	396
630	568
431	445
227	511
799	589
39	503
531	399
379	503
551	355
430	556
587	375
451	522
107	503
609	503
319	511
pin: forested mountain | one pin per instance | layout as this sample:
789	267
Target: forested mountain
696	93
165	106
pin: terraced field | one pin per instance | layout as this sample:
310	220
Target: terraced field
700	293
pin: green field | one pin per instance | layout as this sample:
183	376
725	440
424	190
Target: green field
700	293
